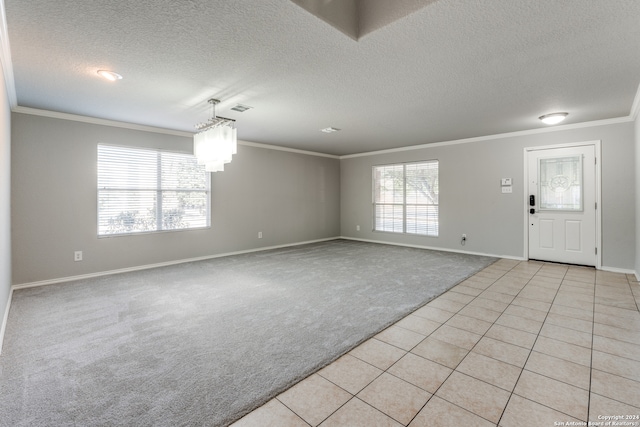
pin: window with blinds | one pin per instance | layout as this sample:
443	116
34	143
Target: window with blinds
405	198
143	190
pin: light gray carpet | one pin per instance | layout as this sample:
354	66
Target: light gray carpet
203	343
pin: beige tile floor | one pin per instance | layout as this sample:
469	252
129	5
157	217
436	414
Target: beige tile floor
517	344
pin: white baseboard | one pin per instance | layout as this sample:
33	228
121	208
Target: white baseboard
137	268
603	268
266	248
432	248
161	264
618	270
5	318
182	261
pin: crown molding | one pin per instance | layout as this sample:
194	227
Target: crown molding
125	125
496	136
96	121
290	150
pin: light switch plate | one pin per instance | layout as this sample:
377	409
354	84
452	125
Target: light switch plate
506	181
507	189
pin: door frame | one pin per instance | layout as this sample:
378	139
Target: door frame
598	187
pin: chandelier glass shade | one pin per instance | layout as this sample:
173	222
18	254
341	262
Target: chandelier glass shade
216	142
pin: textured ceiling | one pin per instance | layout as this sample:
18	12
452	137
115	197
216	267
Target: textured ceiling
419	72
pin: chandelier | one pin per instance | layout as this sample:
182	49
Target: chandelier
216	141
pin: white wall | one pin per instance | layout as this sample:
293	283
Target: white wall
471	201
290	197
5	201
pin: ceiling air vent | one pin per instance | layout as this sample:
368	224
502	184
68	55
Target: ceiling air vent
241	108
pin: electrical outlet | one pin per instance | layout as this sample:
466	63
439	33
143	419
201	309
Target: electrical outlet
77	256
357	228
259	234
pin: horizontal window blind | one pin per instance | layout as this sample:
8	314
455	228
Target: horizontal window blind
143	190
405	198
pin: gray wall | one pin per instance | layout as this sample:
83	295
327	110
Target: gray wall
5	199
471	201
637	194
290	197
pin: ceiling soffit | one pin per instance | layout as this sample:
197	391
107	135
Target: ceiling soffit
357	18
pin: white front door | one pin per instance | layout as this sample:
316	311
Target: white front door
562	204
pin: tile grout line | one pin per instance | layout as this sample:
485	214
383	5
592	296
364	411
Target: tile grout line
474	298
590	367
493	323
596	286
511	393
504	409
385	370
292	411
609	373
355	396
531	350
452	369
632	294
469	351
593	332
409	351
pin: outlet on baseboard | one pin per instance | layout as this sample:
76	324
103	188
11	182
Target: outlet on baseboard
77	256
259	234
357	228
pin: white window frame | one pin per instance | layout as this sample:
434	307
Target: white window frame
393	216
138	175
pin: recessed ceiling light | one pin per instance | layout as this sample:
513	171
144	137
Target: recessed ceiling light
241	108
109	75
553	118
329	130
